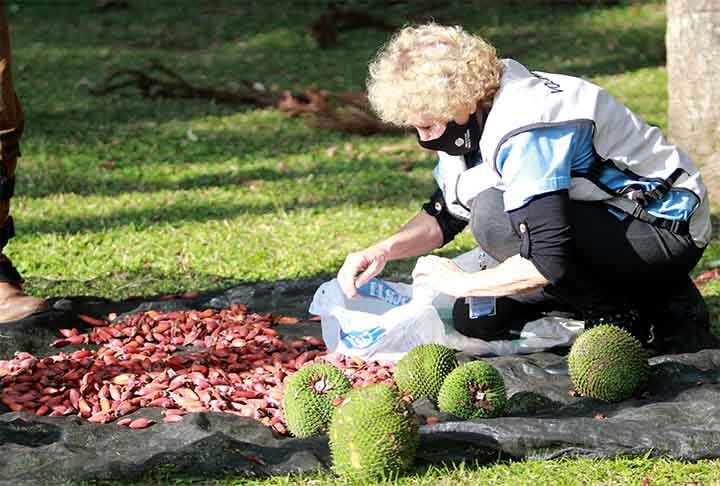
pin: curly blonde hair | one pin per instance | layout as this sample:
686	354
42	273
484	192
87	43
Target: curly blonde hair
432	72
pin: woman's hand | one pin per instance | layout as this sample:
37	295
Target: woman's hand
360	267
440	274
420	235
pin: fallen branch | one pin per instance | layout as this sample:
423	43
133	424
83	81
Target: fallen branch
106	5
159	81
325	29
348	112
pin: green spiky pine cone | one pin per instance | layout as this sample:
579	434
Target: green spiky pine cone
473	390
421	372
308	398
607	363
373	434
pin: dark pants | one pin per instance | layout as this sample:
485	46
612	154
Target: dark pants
12	122
619	265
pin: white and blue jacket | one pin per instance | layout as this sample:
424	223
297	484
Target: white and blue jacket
546	132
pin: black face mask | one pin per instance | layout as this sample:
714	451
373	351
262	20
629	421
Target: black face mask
456	139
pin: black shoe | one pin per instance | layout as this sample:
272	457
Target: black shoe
680	321
629	319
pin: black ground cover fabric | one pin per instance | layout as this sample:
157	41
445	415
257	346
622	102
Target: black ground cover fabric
677	414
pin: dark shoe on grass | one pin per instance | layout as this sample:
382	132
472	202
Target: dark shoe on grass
680	322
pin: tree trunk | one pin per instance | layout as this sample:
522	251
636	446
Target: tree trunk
693	65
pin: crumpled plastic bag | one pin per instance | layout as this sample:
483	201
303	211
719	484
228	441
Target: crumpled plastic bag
388	319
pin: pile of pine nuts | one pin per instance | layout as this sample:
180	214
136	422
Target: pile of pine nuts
229	360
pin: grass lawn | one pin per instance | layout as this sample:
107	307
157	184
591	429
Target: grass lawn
120	195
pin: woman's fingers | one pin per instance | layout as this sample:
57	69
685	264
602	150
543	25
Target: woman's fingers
347	275
359	268
425	265
375	267
439	274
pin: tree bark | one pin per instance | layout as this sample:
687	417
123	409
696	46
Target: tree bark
693	65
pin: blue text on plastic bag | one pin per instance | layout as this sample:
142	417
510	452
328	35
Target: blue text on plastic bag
361	339
381	290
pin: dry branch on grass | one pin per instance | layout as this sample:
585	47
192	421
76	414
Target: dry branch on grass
331	22
158	81
106	5
348	112
326	27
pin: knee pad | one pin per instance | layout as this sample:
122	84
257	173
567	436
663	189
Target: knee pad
491	226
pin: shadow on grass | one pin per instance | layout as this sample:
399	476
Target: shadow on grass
151	284
382	189
136	169
227	41
122	143
606	51
191	27
134	286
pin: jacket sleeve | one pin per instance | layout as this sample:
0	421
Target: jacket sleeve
449	224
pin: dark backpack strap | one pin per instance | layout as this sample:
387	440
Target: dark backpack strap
637	211
665	185
633	202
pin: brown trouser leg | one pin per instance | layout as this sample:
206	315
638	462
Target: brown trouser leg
12	122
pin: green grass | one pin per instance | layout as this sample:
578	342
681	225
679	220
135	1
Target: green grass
564	472
115	199
561	472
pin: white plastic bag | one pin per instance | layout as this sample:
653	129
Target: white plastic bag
388	319
372	327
